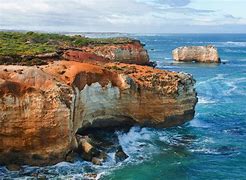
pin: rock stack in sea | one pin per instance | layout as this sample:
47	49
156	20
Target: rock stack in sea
202	54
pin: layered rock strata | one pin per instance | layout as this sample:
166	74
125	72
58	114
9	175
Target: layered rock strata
130	53
203	54
43	107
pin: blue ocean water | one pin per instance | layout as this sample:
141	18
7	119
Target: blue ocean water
212	146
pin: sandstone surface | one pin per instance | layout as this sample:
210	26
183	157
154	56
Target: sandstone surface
43	107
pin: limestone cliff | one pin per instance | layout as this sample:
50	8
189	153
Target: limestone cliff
204	54
131	52
43	107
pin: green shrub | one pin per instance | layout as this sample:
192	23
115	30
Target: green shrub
17	44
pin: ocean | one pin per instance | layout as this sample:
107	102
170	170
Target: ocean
211	146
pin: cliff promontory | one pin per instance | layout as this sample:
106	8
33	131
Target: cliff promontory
44	106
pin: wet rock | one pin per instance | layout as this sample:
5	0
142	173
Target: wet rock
13	167
96	161
42	177
103	156
86	149
120	155
71	157
89	152
90	176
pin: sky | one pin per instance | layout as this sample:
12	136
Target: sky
126	16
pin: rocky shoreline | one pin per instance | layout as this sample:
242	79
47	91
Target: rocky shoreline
43	107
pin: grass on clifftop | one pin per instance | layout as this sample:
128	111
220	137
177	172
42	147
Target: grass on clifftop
32	43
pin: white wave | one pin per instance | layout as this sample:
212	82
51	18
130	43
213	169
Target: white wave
197	123
208	140
234	51
224	86
224	60
236	43
234	87
62	164
204	100
135	140
217	77
205	151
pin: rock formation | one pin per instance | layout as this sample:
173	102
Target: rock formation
130	53
113	50
43	107
203	54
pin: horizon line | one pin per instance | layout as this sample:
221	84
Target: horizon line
113	32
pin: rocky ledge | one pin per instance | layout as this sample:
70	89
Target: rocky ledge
44	107
203	54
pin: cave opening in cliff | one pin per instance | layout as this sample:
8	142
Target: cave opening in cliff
96	141
110	125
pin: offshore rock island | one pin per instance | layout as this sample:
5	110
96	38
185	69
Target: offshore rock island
52	86
201	54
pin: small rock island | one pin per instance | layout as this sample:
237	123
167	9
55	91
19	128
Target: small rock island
52	86
202	54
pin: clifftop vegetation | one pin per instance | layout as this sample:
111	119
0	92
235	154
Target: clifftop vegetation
32	43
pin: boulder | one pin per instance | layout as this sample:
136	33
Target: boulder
120	155
96	161
86	149
203	54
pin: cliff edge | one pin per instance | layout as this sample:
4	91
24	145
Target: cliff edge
43	107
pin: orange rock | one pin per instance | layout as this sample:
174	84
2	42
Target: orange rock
43	108
131	53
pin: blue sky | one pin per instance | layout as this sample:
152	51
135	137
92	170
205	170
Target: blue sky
132	16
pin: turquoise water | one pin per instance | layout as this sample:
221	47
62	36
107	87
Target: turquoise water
212	146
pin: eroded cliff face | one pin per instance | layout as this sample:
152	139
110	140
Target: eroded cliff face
43	107
204	54
34	119
131	53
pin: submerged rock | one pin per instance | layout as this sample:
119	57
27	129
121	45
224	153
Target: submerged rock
120	155
42	108
204	54
13	167
90	176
